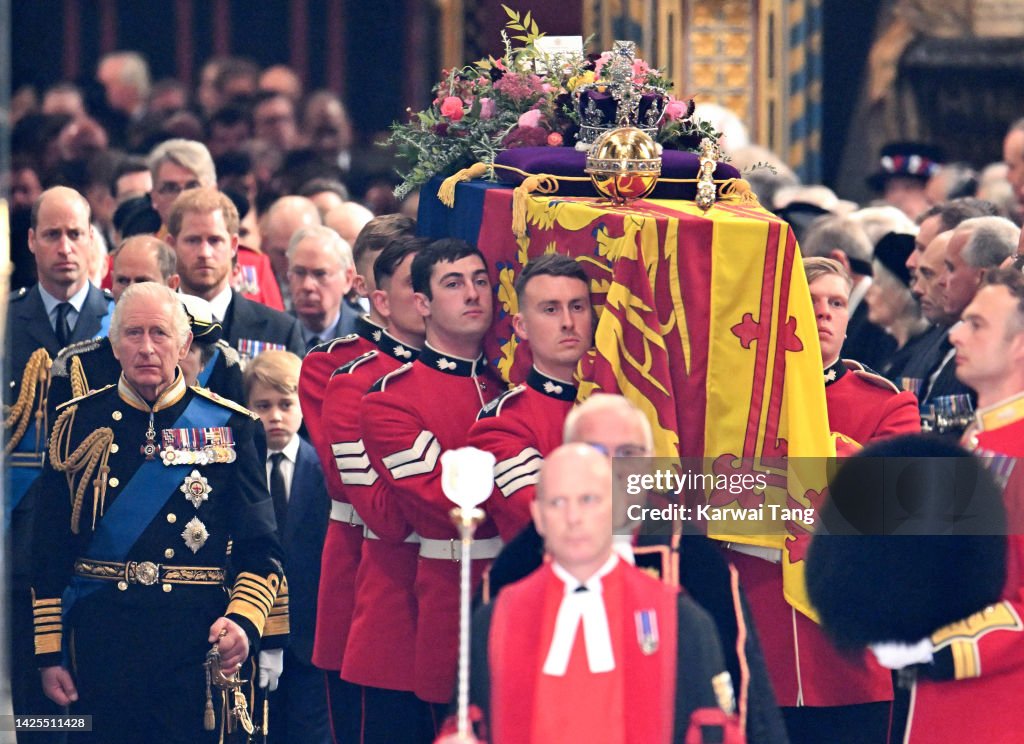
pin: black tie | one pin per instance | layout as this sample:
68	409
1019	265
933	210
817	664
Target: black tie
62	328
277	491
580	588
313	341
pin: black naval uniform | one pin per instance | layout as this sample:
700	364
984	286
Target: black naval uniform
31	344
133	551
91	365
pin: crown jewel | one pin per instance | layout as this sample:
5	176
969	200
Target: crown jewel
617	99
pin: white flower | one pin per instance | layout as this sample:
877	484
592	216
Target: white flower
467	476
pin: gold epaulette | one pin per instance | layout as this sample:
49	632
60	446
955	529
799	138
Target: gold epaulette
869	375
237	407
31	402
90	456
83	396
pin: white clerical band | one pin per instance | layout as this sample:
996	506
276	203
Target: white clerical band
588	607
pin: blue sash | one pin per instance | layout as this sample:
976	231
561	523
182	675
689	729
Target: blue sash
204	375
142	498
24	465
104	330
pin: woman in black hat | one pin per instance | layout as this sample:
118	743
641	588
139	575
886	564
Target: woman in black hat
892	306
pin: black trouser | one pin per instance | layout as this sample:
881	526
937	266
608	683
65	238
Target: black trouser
371	715
298	707
139	673
867	723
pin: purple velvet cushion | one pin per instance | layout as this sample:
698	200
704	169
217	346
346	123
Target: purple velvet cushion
565	161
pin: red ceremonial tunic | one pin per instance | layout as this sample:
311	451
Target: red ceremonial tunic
412	416
633	703
520	428
317	367
988	648
804	666
343	542
381	638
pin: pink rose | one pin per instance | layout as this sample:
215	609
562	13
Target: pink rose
452	108
530	119
487	108
554	139
676	110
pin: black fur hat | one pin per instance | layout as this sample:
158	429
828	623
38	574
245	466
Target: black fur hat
911	538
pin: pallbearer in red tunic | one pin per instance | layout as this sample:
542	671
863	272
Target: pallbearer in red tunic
379	643
826	695
555	318
965	671
411	417
588	648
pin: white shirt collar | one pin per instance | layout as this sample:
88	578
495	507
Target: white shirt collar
77	299
219	304
587	607
290	450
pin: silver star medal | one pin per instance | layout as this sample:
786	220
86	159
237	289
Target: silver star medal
196	488
552	388
195	534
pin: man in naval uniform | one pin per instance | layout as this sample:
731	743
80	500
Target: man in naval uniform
519	428
588	647
146	483
62	308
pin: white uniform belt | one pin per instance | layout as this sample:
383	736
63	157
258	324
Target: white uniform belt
451	550
342	512
371	535
772	555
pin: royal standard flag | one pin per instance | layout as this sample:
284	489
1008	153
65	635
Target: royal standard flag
705	322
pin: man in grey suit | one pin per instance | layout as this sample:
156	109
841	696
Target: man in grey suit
203	230
320	275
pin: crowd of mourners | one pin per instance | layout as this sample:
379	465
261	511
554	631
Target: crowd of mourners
220	310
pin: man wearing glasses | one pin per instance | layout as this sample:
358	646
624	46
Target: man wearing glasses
320	274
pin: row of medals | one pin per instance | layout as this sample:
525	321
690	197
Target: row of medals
206	456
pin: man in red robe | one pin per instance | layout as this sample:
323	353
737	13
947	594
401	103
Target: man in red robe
589	648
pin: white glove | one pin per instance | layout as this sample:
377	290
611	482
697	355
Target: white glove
893	655
271	666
